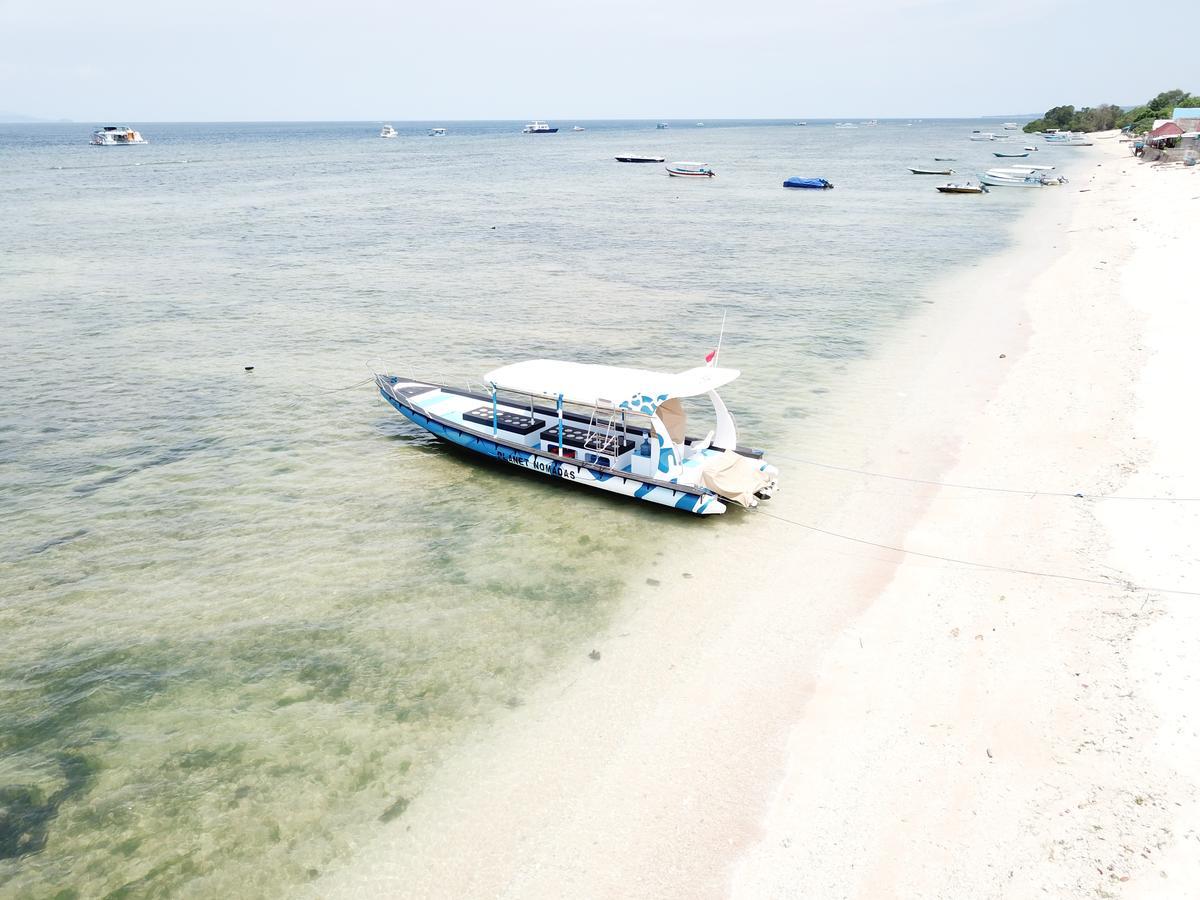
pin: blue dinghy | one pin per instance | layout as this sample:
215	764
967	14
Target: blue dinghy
820	183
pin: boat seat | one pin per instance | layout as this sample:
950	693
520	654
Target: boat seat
505	420
585	439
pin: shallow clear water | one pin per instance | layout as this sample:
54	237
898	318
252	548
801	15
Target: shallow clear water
244	615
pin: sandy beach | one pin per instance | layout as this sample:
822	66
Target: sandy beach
782	712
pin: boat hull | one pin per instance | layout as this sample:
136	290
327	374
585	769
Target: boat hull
684	173
691	500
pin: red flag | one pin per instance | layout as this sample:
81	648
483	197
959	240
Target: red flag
708	360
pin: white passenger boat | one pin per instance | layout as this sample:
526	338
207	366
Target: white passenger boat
690	170
387	131
616	429
116	136
536	127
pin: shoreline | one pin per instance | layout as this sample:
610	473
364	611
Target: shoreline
684	758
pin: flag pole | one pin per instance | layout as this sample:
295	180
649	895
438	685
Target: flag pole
720	337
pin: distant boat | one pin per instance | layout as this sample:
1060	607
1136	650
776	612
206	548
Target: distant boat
387	131
536	127
690	170
982	136
943	159
579	128
116	136
437	132
870	123
917	171
814	183
1010	155
1011	126
800	123
662	125
699	124
641	159
1031	148
844	125
962	188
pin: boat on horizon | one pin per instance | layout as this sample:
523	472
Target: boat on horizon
662	125
536	127
616	429
641	159
387	131
690	170
1011	126
811	183
116	136
437	132
578	128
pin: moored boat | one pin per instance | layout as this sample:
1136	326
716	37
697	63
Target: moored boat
536	127
116	136
812	183
615	429
1010	155
690	170
919	171
967	188
641	159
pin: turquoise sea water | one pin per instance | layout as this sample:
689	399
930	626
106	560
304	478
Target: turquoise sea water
244	615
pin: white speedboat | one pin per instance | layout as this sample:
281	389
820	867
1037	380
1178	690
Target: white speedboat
690	170
437	132
387	131
844	125
579	128
1013	180
982	136
116	136
1011	126
536	127
614	429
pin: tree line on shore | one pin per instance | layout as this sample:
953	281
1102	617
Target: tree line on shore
1109	115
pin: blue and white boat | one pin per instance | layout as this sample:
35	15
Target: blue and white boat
814	183
690	170
615	429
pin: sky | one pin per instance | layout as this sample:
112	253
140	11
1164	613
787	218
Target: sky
361	60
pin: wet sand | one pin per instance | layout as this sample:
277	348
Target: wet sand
780	712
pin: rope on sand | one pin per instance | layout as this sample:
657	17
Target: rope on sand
977	565
978	487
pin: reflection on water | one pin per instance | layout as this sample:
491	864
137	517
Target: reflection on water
245	613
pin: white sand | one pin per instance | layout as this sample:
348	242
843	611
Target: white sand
809	717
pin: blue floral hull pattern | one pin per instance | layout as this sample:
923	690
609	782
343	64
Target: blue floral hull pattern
613	482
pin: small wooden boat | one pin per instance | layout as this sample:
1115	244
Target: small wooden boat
814	183
916	171
641	159
552	418
962	188
943	159
1010	155
690	170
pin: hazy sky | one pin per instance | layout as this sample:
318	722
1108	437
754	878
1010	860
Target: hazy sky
138	60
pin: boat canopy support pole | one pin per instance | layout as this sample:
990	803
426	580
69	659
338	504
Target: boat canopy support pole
495	426
560	425
726	432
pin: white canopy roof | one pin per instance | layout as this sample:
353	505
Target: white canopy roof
639	390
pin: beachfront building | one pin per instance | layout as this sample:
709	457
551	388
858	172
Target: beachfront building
1187	117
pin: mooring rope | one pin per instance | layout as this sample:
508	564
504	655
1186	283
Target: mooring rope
977	565
1029	492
